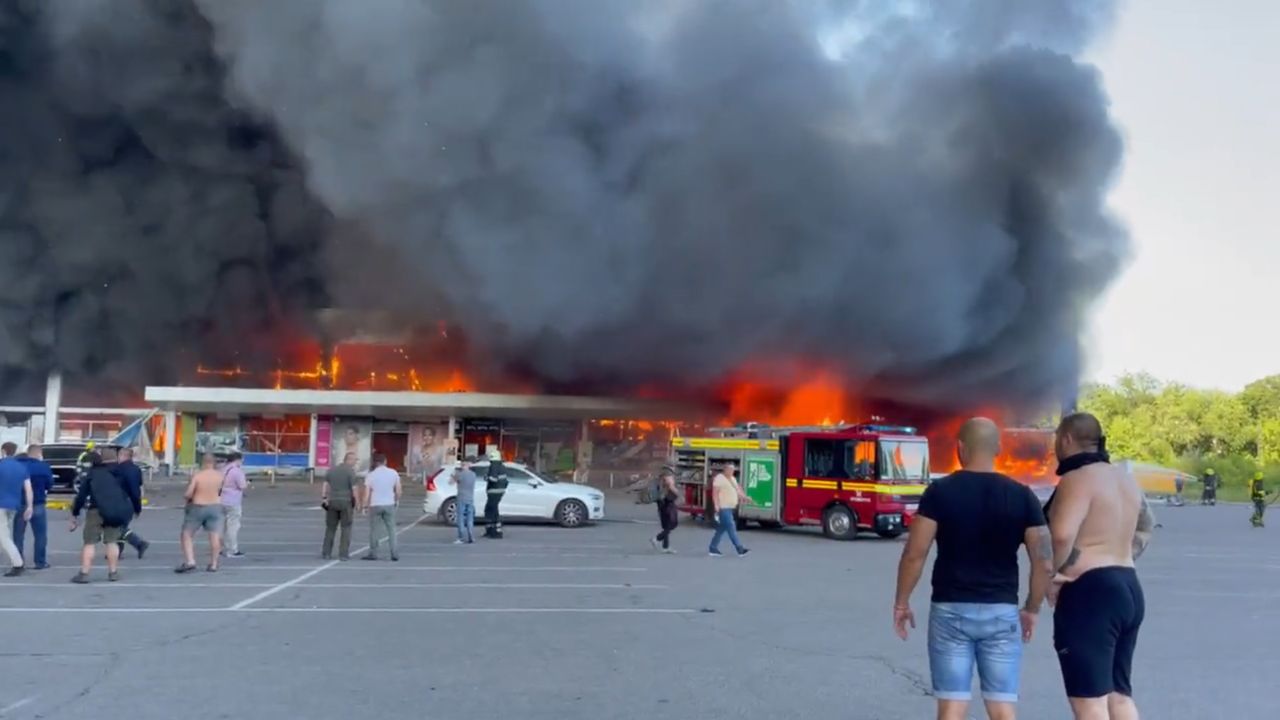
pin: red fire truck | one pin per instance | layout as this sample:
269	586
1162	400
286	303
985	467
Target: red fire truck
845	479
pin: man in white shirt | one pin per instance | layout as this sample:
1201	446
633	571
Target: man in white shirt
381	496
726	495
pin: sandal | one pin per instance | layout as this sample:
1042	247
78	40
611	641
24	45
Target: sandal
184	568
211	568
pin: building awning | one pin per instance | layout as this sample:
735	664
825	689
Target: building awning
413	405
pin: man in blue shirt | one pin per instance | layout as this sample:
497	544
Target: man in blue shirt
15	495
41	476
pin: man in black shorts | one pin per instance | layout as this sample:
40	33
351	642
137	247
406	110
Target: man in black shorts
1100	523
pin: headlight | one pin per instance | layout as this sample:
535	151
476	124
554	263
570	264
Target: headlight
597	497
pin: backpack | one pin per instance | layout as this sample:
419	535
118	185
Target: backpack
110	498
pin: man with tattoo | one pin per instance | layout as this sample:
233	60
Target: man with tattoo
979	518
1100	523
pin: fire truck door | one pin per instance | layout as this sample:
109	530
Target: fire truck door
760	481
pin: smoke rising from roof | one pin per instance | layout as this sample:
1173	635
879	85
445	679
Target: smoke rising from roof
605	193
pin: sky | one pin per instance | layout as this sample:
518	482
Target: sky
1194	89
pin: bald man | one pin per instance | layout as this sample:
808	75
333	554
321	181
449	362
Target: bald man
1100	523
979	519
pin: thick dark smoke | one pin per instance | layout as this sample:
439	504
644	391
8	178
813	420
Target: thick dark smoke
605	193
144	221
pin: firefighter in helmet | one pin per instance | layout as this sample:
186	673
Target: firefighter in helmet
1258	494
495	487
1210	494
84	463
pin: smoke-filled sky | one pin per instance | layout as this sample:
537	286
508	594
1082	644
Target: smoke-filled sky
601	192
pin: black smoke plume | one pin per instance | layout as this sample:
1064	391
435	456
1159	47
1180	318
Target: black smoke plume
603	194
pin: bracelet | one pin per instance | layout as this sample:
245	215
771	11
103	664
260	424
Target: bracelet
901	607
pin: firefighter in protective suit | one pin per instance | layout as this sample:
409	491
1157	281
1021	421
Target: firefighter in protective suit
495	487
1210	494
84	463
1258	494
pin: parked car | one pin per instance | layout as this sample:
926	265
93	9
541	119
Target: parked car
62	458
530	496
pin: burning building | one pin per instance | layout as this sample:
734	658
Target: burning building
693	203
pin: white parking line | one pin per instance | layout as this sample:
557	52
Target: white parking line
336	610
232	566
20	704
341	586
290	583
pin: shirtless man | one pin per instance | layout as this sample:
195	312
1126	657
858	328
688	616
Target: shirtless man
204	512
1100	523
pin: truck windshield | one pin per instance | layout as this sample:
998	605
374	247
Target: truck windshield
904	459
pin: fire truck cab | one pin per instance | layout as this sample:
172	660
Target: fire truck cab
846	479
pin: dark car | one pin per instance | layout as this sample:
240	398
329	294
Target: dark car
62	457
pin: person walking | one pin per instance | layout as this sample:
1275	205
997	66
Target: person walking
41	476
234	483
382	497
1209	496
1258	494
978	518
726	495
203	512
131	475
340	501
495	487
668	514
465	502
1101	523
109	504
16	500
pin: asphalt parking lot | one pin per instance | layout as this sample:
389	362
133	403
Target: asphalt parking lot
554	623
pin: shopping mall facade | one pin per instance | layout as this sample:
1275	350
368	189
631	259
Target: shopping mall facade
309	431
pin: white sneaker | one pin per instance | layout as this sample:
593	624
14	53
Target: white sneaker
669	551
459	542
654	542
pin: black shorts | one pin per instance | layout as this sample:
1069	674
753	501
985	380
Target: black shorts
1095	631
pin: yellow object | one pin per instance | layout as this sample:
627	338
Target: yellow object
89	445
1257	475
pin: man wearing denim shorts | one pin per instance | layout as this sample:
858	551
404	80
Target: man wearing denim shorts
979	518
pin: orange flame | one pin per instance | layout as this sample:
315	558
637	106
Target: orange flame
821	400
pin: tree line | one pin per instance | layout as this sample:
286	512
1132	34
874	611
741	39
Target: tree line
1190	429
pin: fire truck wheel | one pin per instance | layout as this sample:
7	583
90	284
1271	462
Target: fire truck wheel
571	513
838	522
449	512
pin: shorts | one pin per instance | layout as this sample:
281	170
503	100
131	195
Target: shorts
1095	631
964	634
95	532
203	517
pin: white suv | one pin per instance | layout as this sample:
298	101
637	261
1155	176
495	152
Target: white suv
529	496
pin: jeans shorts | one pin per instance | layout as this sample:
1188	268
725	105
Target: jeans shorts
961	634
203	517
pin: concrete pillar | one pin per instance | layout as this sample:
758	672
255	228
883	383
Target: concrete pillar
171	440
311	446
52	403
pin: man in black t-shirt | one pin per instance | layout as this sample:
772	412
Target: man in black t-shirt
979	519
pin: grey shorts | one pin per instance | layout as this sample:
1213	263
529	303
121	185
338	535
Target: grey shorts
203	517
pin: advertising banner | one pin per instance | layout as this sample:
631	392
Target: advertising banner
760	479
324	443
